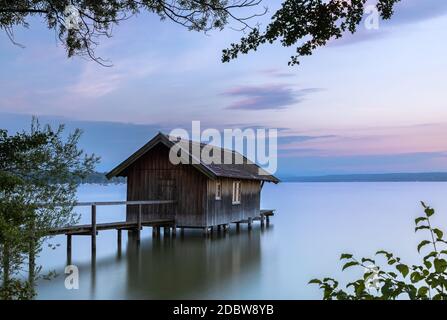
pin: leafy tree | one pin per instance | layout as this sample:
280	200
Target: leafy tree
39	173
80	23
309	24
397	279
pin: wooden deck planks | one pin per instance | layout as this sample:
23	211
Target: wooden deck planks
87	228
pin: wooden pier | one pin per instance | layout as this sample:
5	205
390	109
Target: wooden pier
93	228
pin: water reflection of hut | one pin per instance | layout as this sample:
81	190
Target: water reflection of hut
185	268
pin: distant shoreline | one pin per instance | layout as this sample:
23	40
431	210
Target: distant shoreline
99	178
383	177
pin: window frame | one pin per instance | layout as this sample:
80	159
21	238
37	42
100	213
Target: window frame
236	193
218	190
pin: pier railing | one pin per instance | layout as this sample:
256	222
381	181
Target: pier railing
93	228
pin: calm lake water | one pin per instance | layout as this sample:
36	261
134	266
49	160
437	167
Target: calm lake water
314	223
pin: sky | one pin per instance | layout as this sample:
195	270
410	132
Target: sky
373	102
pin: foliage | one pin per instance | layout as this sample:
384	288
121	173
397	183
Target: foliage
95	19
100	178
39	173
309	24
417	282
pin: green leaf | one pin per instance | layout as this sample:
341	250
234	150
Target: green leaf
345	256
420	219
368	260
422	244
430	255
315	281
350	264
392	274
421	228
440	265
385	253
428	264
429	212
423	291
415	277
403	269
392	261
438	233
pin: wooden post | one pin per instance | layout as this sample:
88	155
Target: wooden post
250	221
174	230
238	226
262	220
68	249
268	220
119	238
166	231
219	228
93	228
139	223
154	231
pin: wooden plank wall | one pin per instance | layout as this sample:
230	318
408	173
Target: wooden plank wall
224	211
154	177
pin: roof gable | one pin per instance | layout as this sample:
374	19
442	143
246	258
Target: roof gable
246	170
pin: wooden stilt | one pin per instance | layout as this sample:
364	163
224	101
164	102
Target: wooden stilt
166	231
119	236
238	226
93	228
68	249
139	223
154	232
250	221
174	230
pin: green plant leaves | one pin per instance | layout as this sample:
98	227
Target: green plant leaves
440	265
423	291
315	281
346	256
421	228
425	281
438	233
420	219
423	244
349	264
403	269
429	212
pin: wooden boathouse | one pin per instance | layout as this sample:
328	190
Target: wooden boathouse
202	195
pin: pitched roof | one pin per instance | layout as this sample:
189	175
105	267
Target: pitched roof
244	169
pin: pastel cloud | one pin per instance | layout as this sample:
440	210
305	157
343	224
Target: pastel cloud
266	97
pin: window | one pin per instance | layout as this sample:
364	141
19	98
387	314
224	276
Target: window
236	192
218	190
